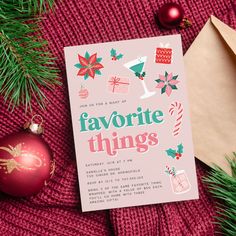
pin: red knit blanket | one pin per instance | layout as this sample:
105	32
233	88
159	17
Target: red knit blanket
56	209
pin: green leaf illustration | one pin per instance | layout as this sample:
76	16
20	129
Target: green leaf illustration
167	172
86	77
78	65
171	152
158	80
173	86
87	55
99	59
180	148
163	89
166	74
98	72
119	56
175	77
113	52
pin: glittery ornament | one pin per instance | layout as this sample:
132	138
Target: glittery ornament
26	162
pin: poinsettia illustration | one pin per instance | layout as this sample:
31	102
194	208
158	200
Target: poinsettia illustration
89	66
167	83
175	154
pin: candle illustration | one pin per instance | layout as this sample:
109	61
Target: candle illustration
137	67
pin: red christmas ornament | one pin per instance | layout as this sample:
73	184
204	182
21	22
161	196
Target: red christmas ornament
171	15
83	93
26	162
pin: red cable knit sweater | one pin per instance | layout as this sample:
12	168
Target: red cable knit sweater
56	209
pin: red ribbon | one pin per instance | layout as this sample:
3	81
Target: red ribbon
116	82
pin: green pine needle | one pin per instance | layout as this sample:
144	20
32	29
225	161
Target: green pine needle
29	7
25	67
223	187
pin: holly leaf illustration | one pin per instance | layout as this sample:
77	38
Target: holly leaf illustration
113	52
166	74
163	89
180	148
78	65
171	152
86	77
119	56
87	55
99	59
143	74
158	80
175	77
137	74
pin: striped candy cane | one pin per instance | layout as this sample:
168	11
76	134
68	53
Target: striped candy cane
177	106
170	171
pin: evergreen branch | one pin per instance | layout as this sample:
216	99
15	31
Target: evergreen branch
28	7
25	66
223	187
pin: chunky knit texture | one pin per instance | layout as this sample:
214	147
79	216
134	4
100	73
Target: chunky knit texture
56	209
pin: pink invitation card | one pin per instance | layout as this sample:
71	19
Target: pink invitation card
131	123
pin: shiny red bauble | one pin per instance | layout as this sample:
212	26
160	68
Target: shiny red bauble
26	163
170	15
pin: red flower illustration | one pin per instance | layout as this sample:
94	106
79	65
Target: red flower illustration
89	65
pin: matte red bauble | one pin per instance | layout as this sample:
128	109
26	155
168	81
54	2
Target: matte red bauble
26	162
170	15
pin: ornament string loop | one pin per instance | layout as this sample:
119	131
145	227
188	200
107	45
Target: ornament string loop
34	117
33	126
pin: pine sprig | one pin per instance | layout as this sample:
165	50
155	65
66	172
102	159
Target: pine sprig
29	7
25	66
223	187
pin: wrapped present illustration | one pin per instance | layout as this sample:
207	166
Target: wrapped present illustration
179	180
118	84
163	54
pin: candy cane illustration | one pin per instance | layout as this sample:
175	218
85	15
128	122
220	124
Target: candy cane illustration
178	107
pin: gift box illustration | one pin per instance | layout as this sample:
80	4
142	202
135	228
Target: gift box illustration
163	54
118	84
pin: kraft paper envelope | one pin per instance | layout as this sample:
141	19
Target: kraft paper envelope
211	71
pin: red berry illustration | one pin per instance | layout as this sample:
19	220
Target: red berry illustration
178	155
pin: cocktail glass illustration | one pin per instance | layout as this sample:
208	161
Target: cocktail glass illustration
179	182
137	66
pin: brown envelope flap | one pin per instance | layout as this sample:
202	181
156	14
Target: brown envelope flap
211	80
227	33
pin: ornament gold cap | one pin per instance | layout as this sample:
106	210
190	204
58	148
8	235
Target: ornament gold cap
33	126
